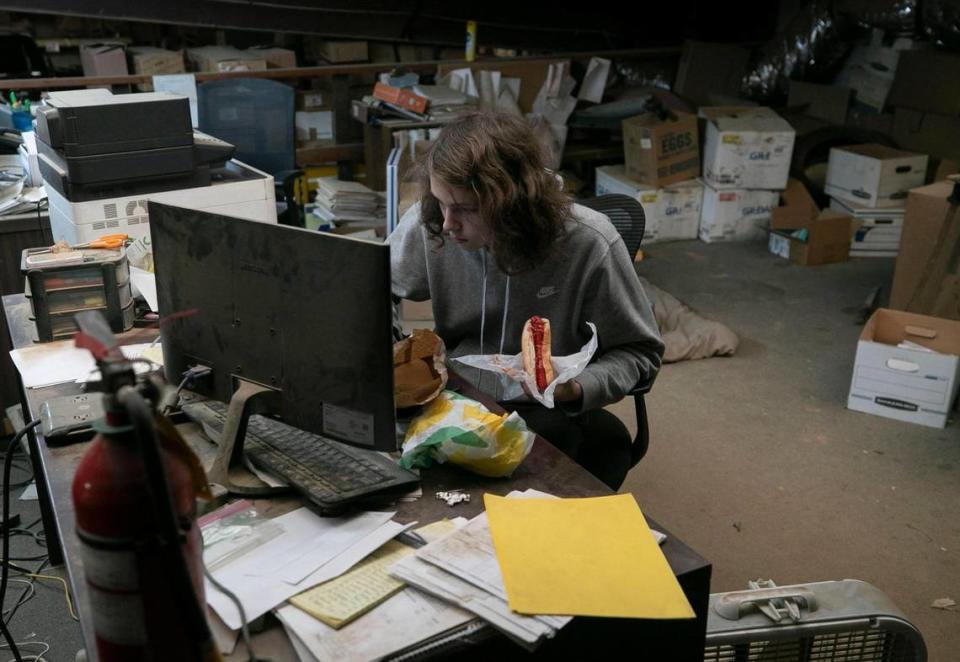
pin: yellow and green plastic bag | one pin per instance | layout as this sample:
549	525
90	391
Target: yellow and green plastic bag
457	429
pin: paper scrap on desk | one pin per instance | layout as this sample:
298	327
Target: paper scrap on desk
590	557
341	600
260	593
403	621
51	363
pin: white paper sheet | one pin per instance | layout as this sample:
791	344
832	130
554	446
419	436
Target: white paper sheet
146	284
297	561
52	363
184	85
595	80
260	594
462	80
510	369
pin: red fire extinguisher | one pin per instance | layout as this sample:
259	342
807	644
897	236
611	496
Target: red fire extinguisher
134	496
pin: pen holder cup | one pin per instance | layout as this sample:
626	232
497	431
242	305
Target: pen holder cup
22	120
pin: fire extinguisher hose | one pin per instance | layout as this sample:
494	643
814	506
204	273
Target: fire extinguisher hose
167	526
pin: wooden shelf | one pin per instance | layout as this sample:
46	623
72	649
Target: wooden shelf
312	154
330	70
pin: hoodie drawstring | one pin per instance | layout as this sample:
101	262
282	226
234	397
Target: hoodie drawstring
506	306
483	298
483	309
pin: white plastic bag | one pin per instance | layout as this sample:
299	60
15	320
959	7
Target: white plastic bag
565	368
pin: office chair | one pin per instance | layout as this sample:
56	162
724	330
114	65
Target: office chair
257	116
627	216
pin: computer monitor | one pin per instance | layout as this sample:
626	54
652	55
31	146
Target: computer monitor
305	316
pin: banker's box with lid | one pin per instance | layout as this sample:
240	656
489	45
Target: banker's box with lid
746	148
906	367
60	287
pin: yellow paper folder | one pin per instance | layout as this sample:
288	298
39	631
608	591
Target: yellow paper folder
582	557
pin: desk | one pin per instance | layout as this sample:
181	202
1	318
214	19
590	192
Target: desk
17	231
544	469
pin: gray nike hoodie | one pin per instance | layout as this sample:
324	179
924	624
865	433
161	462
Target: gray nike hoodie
480	310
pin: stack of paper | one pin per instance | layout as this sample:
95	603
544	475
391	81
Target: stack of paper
366	614
462	568
16	194
351	202
310	550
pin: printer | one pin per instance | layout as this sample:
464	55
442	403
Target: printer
103	156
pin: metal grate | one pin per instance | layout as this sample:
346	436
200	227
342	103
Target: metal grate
110	210
857	646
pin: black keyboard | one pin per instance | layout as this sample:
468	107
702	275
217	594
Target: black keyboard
328	473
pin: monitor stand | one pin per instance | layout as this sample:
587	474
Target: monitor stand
249	398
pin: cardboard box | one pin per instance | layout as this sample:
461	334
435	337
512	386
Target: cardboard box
924	280
826	240
150	61
658	152
746	148
707	69
344	51
313	100
869	71
927	133
224	58
99	60
276	58
735	215
671	213
874	175
907	383
927	80
800	232
314	125
875	231
826	102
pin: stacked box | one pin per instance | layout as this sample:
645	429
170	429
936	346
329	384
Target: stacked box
672	212
736	214
746	162
870	183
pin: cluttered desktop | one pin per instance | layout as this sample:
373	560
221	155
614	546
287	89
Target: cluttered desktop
279	363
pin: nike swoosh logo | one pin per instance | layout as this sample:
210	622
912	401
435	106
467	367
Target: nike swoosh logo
545	292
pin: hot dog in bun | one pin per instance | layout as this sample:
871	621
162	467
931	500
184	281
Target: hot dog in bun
535	343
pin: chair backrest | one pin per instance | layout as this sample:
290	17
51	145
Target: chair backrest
628	217
254	114
625	213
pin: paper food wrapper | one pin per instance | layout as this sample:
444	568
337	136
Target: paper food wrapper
419	372
510	368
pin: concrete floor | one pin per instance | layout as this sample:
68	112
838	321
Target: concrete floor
756	462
